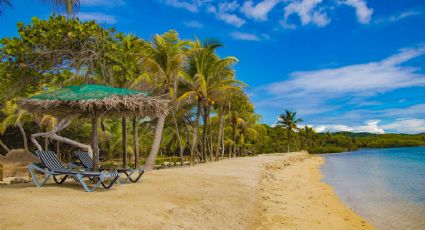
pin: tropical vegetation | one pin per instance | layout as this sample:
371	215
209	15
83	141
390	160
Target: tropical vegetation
211	116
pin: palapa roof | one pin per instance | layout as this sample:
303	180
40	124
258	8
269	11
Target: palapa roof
107	101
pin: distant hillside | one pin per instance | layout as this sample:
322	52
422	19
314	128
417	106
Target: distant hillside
351	134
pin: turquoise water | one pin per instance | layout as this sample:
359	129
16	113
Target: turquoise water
385	186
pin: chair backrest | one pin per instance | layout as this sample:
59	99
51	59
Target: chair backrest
85	159
51	161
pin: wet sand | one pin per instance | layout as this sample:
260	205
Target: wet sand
263	192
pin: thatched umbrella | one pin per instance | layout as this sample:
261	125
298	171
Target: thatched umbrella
93	101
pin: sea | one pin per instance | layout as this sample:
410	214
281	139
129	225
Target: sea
385	186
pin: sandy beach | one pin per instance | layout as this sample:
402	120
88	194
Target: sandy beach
263	192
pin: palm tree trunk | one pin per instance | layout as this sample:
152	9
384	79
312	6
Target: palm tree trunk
204	133
289	139
234	138
221	115
136	143
210	143
24	135
150	162
195	135
179	141
4	146
124	142
175	122
95	145
222	142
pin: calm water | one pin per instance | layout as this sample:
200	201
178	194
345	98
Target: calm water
385	186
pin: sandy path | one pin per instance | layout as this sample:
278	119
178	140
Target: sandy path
223	195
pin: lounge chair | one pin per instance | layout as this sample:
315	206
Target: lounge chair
51	166
87	163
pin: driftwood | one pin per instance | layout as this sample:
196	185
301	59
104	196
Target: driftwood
62	124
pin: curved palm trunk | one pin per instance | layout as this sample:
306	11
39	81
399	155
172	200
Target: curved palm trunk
150	162
124	142
4	146
24	135
136	143
195	135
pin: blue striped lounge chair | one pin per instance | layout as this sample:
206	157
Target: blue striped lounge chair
87	162
51	166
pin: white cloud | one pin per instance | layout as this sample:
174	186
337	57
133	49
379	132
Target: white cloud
244	36
225	12
108	3
259	11
363	12
403	15
193	24
308	12
190	5
370	126
360	80
406	126
347	92
98	17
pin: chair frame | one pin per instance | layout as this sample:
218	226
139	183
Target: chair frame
99	178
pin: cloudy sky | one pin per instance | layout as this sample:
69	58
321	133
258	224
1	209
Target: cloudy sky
351	65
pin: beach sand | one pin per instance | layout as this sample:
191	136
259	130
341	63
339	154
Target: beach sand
263	192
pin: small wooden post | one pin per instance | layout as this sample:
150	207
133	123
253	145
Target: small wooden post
95	145
124	142
136	143
1	172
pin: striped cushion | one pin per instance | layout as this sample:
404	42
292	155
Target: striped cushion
51	161
85	159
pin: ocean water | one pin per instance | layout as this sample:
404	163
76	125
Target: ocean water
385	186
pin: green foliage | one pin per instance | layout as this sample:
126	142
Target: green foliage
327	149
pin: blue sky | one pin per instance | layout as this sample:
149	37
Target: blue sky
351	65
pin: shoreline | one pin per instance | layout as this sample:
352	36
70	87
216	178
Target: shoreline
241	193
294	197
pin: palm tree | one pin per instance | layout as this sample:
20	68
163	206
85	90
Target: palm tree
308	134
15	117
208	80
71	6
164	65
289	121
196	84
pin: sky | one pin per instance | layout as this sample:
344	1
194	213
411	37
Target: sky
342	65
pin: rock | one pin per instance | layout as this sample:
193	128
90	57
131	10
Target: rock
19	180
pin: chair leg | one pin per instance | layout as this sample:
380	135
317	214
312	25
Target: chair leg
110	184
60	181
32	168
137	178
79	177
